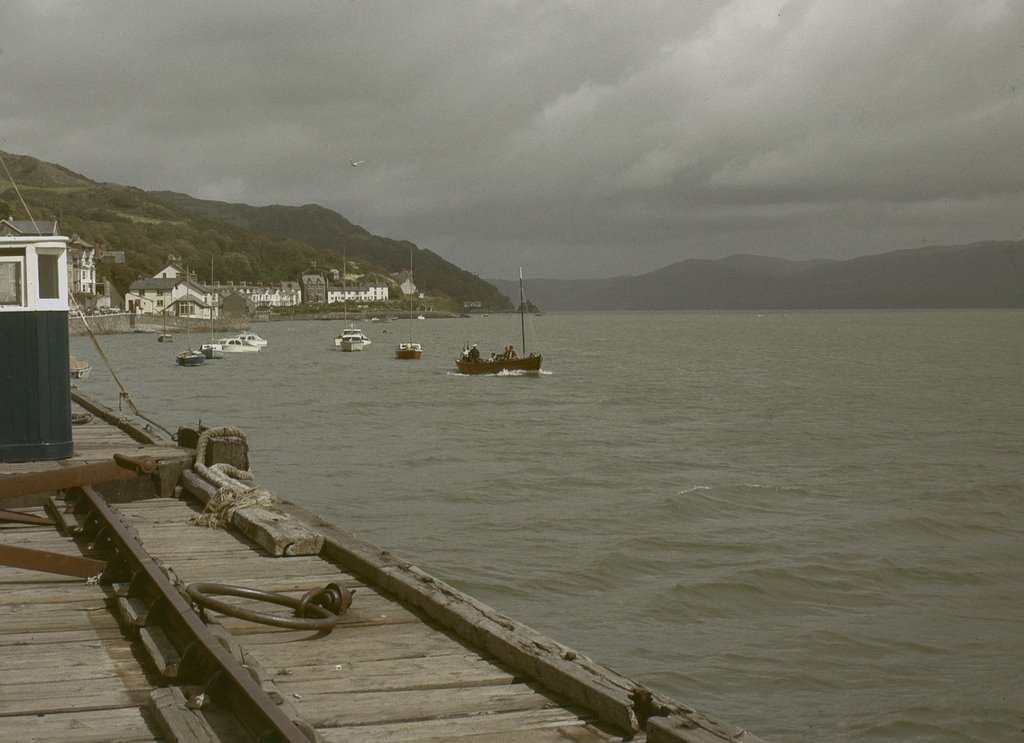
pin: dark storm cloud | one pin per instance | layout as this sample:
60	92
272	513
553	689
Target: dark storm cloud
589	138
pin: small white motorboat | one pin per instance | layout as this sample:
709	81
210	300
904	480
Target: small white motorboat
351	339
253	340
237	345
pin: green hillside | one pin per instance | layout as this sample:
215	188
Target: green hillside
329	231
242	243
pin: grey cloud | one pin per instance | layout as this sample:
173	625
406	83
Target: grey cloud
586	138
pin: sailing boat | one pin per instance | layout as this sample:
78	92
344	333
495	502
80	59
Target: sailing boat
165	337
350	338
409	349
190	357
471	363
212	349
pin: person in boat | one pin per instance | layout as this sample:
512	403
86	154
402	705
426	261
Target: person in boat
474	353
511	353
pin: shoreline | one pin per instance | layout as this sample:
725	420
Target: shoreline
125	322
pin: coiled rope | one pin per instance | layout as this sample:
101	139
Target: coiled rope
235	487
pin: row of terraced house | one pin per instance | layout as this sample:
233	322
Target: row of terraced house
177	292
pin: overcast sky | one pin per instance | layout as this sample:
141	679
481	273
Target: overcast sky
588	139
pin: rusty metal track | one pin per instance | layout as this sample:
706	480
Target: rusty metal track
200	658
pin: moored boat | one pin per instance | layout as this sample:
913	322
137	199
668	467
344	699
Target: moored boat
212	350
351	339
408	350
80	369
191	358
253	340
237	345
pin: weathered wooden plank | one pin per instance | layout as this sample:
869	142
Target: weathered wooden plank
358	643
123	725
438	672
695	728
49	589
15	639
364	708
368	675
527	726
30	693
78	695
48	658
53	617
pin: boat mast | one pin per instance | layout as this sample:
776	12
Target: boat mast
522	309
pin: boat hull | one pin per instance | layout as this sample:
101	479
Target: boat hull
529	365
191	358
409	350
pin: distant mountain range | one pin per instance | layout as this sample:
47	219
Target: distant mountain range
986	274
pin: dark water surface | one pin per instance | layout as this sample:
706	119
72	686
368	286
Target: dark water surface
810	524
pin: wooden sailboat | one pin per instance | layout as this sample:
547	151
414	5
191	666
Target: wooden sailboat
472	363
409	349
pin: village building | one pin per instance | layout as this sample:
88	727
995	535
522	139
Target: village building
81	266
12	227
175	292
314	288
236	305
366	293
405	282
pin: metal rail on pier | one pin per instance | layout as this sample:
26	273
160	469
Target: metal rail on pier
170	628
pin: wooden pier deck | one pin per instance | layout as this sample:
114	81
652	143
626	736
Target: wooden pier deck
412	659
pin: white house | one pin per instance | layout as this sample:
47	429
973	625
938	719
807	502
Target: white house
81	266
375	292
172	291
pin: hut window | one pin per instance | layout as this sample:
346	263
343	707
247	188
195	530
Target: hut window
10	281
49	276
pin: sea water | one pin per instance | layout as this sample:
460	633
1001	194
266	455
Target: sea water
809	524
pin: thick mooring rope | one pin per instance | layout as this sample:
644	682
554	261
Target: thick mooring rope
235	488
